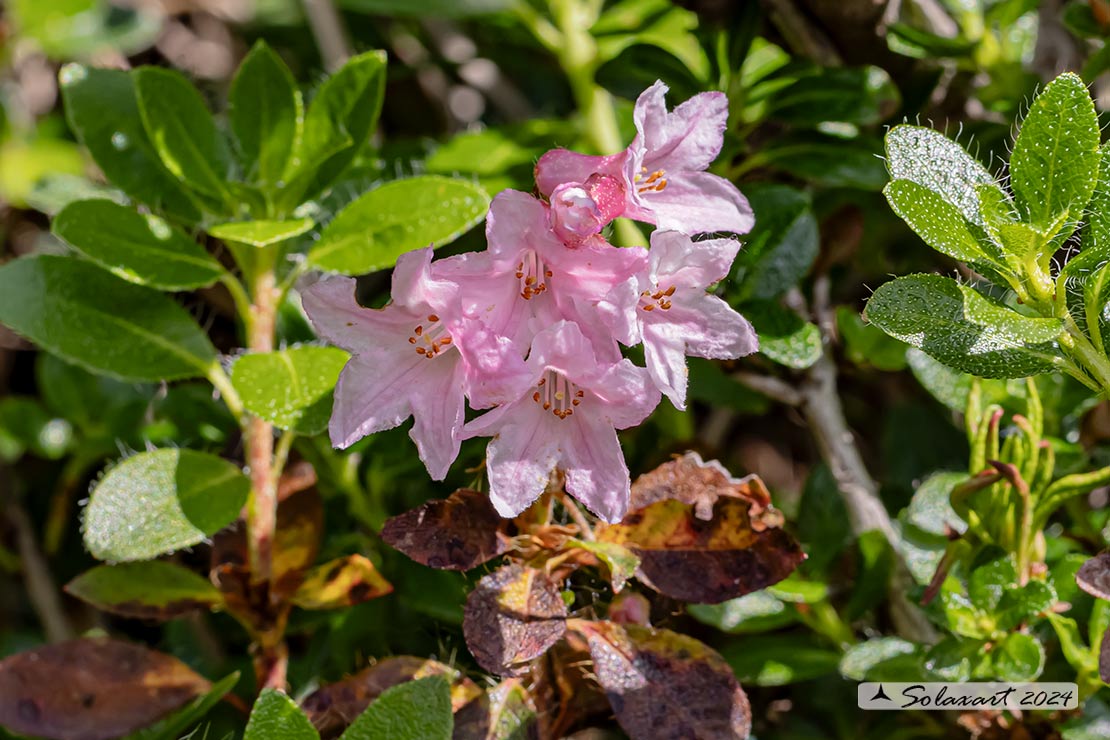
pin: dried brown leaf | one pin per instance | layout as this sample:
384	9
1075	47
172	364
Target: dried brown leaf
457	533
92	689
340	583
333	707
664	685
1094	576
512	617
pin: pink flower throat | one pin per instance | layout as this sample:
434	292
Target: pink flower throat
432	340
557	394
533	275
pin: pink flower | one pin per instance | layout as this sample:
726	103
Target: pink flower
529	278
663	171
581	210
406	360
668	309
566	411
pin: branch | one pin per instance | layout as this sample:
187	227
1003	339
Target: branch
327	29
41	588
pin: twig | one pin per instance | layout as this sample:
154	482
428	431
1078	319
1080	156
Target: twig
327	29
41	589
802	35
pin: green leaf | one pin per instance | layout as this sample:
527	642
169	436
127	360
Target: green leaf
777	660
102	110
867	345
398	217
1054	164
157	502
338	124
26	426
277	717
267	115
651	24
827	160
182	130
932	160
261	233
1019	657
150	590
939	223
862	96
139	248
862	657
416	710
758	611
620	562
291	388
1020	603
989	580
930	509
100	322
780	248
963	329
783	335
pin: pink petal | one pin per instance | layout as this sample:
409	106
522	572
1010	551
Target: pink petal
565	348
593	269
521	458
438	410
370	397
665	355
689	138
618	311
676	260
415	286
596	473
709	326
699	203
337	317
625	392
495	369
560	166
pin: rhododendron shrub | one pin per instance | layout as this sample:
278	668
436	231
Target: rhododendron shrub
531	328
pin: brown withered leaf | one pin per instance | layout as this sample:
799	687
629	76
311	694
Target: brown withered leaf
665	685
92	689
340	583
565	689
691	558
693	481
512	617
333	707
503	712
1094	576
459	532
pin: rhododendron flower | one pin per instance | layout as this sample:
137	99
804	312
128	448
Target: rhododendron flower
568	407
663	171
529	278
580	210
668	309
405	360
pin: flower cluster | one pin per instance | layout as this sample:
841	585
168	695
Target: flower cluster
530	328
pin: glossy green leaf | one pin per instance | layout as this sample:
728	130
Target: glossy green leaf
291	388
1055	161
157	502
863	657
261	233
182	130
988	581
398	217
1021	603
861	96
139	248
652	24
100	322
780	248
827	160
416	710
149	589
938	222
758	611
277	717
266	113
339	122
932	160
783	335
867	345
930	509
963	329
1019	657
102	110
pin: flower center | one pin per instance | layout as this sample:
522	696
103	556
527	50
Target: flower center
432	339
655	182
533	275
650	300
557	394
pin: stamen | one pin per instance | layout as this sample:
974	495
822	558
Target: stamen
533	275
430	341
560	396
658	298
655	182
